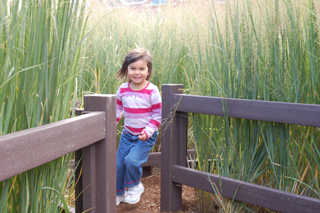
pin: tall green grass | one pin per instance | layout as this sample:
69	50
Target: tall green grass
40	43
263	50
249	49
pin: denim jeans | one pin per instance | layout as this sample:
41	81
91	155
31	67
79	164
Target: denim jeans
131	153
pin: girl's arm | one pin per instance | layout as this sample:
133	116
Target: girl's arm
155	121
119	106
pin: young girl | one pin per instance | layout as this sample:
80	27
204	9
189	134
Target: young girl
140	102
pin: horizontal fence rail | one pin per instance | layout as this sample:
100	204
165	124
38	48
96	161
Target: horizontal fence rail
279	112
39	145
247	192
176	107
155	158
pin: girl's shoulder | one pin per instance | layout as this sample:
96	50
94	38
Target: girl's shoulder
151	86
124	85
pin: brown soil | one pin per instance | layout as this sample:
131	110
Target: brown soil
150	199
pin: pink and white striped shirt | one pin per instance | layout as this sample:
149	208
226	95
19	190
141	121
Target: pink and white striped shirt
141	109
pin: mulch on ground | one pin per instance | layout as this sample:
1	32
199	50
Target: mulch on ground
150	199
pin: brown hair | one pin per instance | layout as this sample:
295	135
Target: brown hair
133	56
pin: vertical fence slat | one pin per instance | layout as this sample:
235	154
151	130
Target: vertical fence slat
105	154
171	199
88	178
182	139
78	180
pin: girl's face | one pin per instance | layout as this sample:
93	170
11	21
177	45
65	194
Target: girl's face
138	73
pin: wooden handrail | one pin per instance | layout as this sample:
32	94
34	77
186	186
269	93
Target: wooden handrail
271	111
27	149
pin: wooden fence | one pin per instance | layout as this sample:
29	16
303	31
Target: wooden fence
174	172
92	136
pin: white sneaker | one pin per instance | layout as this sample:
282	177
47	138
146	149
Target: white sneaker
120	198
134	194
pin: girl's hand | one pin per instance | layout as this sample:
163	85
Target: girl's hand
143	136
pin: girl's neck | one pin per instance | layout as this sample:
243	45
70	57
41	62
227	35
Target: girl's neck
137	87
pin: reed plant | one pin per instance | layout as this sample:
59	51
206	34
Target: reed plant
263	50
40	43
248	49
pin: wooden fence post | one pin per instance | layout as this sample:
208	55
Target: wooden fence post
173	147
99	160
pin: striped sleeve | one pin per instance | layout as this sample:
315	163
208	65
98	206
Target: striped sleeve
156	108
119	106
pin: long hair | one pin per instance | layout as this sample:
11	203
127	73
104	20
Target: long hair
133	56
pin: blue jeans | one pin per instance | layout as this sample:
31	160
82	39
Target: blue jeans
131	153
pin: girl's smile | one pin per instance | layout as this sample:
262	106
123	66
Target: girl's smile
138	73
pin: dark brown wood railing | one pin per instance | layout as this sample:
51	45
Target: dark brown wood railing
174	172
27	149
92	136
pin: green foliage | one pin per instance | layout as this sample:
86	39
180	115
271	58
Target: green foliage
251	49
263	50
39	54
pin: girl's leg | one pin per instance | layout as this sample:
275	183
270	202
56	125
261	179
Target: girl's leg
137	155
123	149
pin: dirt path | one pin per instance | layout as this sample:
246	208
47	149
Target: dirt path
150	199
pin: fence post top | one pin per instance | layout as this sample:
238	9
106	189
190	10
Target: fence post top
172	88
